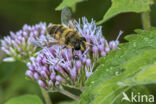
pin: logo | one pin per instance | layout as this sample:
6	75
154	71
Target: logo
137	97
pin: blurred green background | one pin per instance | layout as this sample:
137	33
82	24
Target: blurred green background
15	13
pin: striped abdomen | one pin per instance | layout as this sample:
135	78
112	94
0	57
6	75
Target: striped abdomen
63	34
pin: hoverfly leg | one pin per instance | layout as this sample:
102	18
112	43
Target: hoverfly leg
72	50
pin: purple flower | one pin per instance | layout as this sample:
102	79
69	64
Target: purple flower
20	45
54	66
29	73
48	65
41	83
96	42
78	65
59	69
89	70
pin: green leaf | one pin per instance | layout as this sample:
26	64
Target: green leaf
145	64
69	102
25	99
136	89
123	68
147	76
16	84
6	70
123	6
69	3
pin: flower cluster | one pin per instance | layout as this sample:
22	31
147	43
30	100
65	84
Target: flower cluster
93	34
54	66
20	45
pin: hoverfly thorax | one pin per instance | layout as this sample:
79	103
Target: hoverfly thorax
80	44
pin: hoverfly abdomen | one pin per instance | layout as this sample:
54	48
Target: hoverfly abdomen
66	37
56	31
59	31
51	30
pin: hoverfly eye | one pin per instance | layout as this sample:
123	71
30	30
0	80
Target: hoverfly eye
83	39
77	46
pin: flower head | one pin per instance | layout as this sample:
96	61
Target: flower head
53	67
98	45
56	66
20	45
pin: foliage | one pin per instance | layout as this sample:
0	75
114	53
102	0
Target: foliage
123	6
69	102
130	68
69	3
123	68
13	82
4	75
25	99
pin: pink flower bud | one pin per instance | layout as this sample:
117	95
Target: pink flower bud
70	55
69	64
44	62
73	74
5	50
112	45
12	34
41	83
60	79
101	47
39	60
102	41
52	76
36	76
95	50
103	53
78	65
50	83
88	74
44	68
25	34
52	50
83	60
29	73
43	74
25	27
51	68
35	33
57	83
88	62
107	49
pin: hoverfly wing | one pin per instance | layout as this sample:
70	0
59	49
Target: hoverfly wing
67	18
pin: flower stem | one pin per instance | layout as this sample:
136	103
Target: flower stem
146	20
2	54
67	93
45	96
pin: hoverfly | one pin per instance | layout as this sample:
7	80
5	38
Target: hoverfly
67	34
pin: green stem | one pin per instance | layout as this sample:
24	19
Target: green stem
146	20
61	90
2	54
46	96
